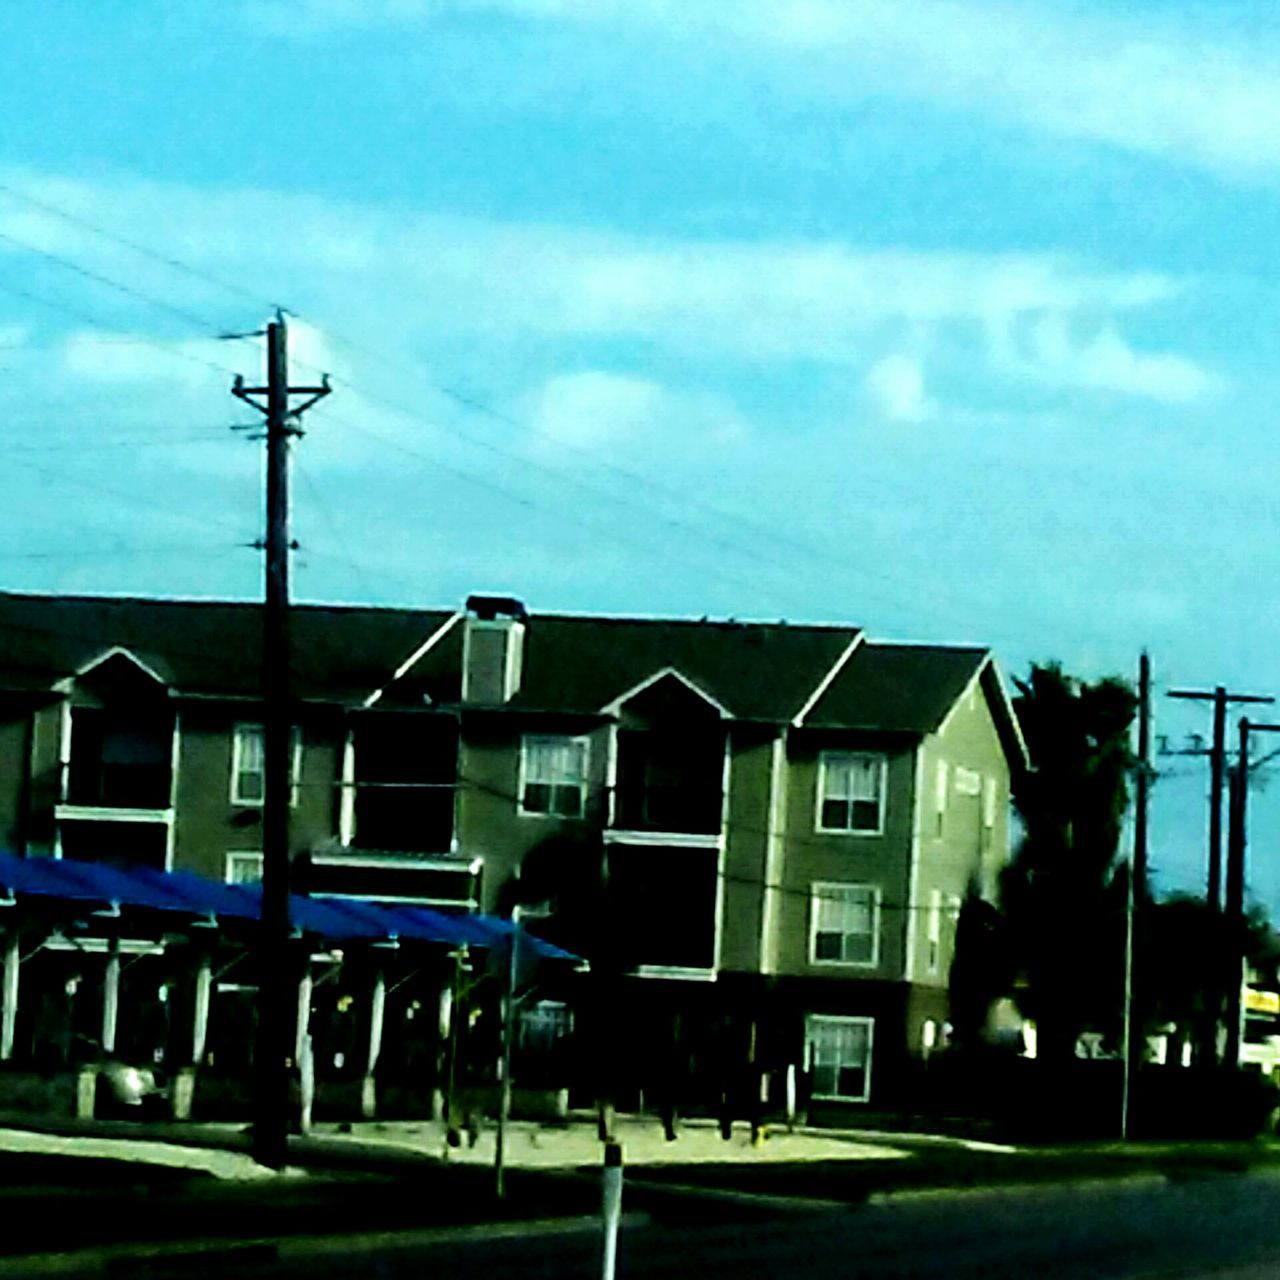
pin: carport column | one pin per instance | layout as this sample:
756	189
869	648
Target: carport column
12	961
377	1011
302	1058
200	1021
111	998
304	1014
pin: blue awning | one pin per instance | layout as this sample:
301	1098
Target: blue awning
187	894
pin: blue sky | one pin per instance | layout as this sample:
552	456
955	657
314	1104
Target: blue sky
953	319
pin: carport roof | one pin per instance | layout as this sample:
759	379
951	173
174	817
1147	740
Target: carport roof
187	894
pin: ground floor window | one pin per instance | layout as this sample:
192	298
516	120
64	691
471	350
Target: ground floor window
838	1054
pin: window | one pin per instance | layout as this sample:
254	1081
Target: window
554	776
248	765
839	1058
989	804
940	792
935	929
845	924
851	793
244	868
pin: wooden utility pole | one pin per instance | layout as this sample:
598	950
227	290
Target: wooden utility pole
1236	925
1220	697
1133	1038
277	990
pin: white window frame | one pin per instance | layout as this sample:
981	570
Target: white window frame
989	793
238	735
241	855
559	739
940	794
827	757
934	935
815	1020
831	889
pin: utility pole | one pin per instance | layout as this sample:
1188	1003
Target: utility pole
1133	1043
1220	697
1237	846
277	989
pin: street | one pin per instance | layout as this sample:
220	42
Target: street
1226	1227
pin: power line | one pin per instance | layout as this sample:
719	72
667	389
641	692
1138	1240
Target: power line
470	402
133	245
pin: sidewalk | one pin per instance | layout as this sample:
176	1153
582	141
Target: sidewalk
71	1186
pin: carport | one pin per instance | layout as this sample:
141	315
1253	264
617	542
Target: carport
191	933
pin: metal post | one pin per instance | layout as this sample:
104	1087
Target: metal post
611	1209
111	998
504	1063
200	1020
377	1014
12	966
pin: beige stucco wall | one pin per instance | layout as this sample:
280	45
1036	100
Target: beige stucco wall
209	826
812	856
962	849
746	838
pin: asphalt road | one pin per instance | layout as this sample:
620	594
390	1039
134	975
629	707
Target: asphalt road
1225	1227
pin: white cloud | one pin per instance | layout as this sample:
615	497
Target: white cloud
582	409
122	359
600	411
1139	82
895	387
1104	361
414	280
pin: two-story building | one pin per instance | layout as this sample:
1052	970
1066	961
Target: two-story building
766	827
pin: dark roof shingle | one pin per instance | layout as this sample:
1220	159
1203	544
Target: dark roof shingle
896	688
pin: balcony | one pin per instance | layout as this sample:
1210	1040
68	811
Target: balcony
400	781
670	784
120	768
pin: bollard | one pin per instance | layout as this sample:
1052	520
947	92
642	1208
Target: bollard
612	1207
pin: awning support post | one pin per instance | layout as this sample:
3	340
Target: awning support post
111	998
377	1014
9	1016
200	1020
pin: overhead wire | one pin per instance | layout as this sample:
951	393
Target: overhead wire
754	554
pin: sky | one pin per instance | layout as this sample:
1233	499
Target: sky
953	319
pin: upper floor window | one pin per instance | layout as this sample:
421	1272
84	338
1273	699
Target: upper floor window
851	792
940	793
553	776
243	868
845	924
935	929
248	765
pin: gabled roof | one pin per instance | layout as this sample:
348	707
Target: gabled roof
755	671
896	688
209	647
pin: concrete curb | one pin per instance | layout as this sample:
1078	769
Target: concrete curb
917	1195
141	1260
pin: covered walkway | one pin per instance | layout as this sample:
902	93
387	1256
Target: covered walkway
158	970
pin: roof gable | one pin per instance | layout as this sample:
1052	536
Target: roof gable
754	671
897	688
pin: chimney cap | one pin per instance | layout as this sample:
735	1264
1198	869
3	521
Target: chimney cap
487	608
